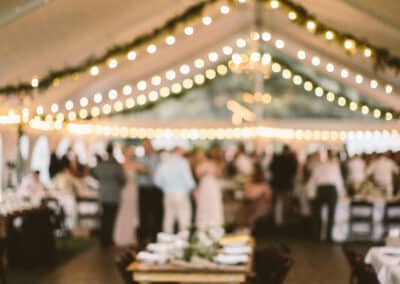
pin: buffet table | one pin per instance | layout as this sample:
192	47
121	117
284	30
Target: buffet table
176	273
198	271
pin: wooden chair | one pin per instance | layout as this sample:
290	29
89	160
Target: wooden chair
361	212
271	266
352	258
126	258
391	216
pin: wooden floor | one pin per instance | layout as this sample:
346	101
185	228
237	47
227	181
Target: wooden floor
314	264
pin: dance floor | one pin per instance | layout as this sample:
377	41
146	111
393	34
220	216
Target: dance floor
315	264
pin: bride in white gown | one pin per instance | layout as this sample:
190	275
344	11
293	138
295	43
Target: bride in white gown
128	213
210	212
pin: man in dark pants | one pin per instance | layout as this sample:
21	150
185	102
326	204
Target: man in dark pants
111	179
283	170
324	187
326	195
150	197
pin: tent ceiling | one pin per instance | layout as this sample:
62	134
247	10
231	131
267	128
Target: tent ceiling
64	32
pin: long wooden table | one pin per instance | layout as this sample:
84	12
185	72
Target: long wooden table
166	273
145	274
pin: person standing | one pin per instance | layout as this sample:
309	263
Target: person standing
324	187
283	171
175	178
128	213
150	196
209	212
382	169
111	178
356	170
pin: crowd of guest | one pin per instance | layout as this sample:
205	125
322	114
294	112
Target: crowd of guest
176	189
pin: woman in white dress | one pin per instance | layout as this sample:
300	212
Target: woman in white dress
210	212
128	212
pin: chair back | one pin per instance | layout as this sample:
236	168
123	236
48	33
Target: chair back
272	266
361	210
124	260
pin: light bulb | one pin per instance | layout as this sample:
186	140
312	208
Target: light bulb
151	48
170	75
127	90
131	55
156	80
311	25
112	94
94	71
315	61
274	4
213	56
35	82
170	40
141	85
241	43
292	15
69	105
224	9
113	63
301	55
98	98
329	35
207	20
54	108
227	50
279	44
84	102
199	63
189	30
184	69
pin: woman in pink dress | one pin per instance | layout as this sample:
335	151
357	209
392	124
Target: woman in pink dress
128	213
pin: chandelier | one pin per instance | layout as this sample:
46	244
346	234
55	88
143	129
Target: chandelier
251	63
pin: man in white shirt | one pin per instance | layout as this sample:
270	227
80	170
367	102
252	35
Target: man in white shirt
175	179
356	168
382	170
324	187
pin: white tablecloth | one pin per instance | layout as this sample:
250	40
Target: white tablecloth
386	266
342	216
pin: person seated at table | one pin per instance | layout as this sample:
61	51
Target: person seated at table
324	187
31	186
257	200
381	170
174	176
209	212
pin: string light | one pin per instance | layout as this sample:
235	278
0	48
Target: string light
292	15
156	80
35	82
170	40
301	55
112	63
315	61
189	30
98	98
329	35
54	108
274	4
184	69
207	20
279	44
224	9
311	26
94	71
69	105
240	43
170	75
84	102
131	55
141	85
151	48
127	90
367	52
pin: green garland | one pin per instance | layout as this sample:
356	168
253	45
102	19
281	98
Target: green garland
382	57
54	76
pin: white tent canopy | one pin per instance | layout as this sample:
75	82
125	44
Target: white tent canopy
59	33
